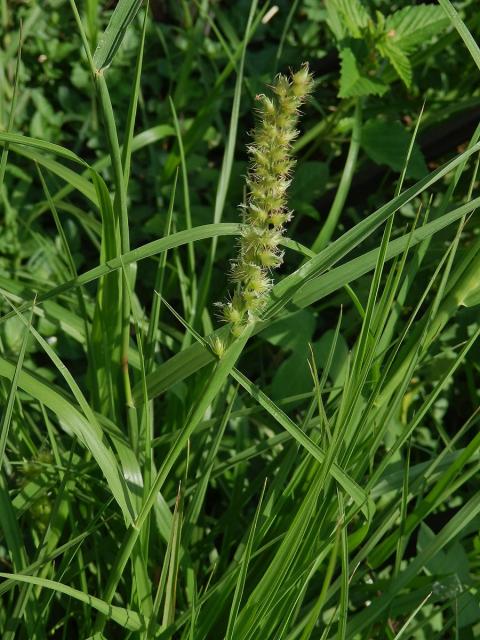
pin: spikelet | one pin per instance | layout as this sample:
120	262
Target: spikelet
265	213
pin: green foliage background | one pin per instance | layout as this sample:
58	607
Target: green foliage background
320	478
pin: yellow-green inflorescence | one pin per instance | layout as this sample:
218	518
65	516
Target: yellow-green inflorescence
265	212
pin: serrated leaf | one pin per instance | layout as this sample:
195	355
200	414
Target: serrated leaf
387	143
353	83
411	26
398	59
110	41
334	20
350	14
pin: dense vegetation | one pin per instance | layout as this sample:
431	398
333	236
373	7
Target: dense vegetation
308	469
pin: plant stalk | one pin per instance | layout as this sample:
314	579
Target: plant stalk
121	213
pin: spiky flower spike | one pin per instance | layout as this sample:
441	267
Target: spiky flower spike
266	213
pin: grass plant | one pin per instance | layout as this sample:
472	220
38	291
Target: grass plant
309	468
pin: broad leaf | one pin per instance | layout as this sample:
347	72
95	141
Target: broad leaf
411	26
397	58
387	143
353	82
350	14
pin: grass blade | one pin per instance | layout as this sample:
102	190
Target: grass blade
242	574
110	41
125	618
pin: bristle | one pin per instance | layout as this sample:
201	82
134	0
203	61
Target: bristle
266	212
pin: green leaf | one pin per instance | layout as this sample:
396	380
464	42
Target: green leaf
150	249
472	299
361	498
87	431
110	41
397	58
320	286
43	145
453	561
132	108
284	290
143	139
172	578
412	26
337	347
9	526
124	617
334	20
294	332
8	409
309	284
215	382
387	143
454	526
462	29
309	183
106	326
350	14
73	179
292	375
291	332
353	82
242	574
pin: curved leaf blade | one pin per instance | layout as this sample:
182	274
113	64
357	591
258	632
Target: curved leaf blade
109	43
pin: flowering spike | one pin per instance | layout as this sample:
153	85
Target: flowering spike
302	81
218	347
266	212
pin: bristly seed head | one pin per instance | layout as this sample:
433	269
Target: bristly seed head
265	212
218	347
